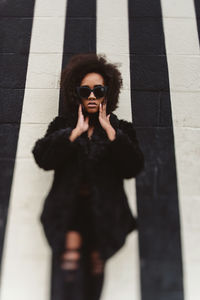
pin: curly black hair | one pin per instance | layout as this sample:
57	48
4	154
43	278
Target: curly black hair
81	64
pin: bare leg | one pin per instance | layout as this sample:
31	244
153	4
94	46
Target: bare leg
70	259
97	264
97	275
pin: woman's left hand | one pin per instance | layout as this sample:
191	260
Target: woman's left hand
105	121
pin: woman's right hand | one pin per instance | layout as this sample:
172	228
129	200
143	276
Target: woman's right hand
81	126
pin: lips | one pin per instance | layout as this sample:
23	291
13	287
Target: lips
92	104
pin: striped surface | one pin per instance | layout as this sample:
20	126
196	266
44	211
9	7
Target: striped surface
157	44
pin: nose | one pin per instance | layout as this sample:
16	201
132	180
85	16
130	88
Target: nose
92	96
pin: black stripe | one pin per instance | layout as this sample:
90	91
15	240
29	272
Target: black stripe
15	33
197	12
156	186
79	37
80	30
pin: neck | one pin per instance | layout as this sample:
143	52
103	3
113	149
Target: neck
93	118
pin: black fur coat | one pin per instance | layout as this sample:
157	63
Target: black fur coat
108	163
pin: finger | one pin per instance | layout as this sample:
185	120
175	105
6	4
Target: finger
79	109
104	109
108	116
101	105
82	109
79	112
100	109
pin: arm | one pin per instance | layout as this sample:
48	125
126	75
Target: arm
56	147
124	151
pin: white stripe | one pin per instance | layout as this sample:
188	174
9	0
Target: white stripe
182	48
122	272
26	256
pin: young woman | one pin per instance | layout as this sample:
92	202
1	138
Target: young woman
86	216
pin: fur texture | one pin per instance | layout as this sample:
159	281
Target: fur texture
107	164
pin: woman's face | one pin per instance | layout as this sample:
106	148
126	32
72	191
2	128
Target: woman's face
91	80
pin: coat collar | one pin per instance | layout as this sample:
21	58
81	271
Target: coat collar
71	120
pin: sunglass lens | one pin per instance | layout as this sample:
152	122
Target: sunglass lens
99	92
84	92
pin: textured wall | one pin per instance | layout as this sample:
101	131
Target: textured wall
157	44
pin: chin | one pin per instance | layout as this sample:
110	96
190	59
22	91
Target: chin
92	110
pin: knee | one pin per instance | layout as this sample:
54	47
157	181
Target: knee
70	259
97	263
70	264
73	239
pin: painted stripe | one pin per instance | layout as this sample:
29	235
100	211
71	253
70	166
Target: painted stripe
182	47
26	256
197	15
122	273
16	25
80	30
79	37
157	195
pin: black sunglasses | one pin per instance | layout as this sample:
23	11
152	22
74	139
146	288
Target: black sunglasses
85	91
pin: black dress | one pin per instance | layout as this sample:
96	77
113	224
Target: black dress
82	217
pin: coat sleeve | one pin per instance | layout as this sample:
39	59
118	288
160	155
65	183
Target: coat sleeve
54	148
125	153
53	222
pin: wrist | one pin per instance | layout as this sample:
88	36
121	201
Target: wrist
74	134
111	133
77	131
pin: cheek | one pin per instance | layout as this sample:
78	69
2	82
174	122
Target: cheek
83	102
